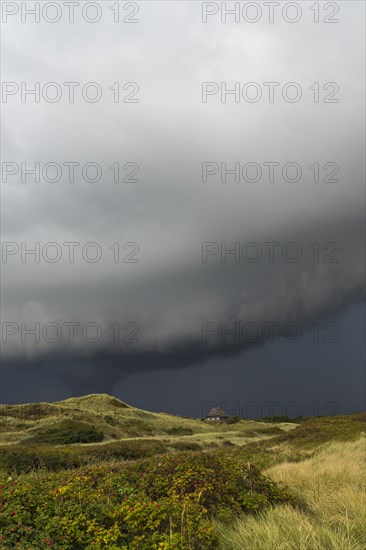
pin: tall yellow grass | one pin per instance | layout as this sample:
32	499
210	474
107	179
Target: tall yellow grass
332	483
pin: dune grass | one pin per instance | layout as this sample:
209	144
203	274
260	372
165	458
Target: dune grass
331	485
20	424
320	463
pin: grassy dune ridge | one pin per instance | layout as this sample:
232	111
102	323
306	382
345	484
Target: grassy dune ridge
332	485
27	423
94	473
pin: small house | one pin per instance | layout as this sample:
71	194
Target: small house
217	415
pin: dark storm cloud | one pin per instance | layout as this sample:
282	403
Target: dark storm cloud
170	292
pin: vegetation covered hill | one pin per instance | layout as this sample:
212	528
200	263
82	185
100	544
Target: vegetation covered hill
100	417
94	473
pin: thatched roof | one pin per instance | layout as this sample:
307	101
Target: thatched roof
216	411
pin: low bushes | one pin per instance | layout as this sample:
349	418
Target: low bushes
65	433
126	450
162	502
186	446
322	429
23	458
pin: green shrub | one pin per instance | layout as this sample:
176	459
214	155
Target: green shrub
316	431
186	446
126	450
21	459
25	458
218	479
66	432
161	503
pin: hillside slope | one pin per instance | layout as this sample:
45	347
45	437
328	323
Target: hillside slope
99	418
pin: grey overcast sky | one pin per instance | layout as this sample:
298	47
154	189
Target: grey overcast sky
283	267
